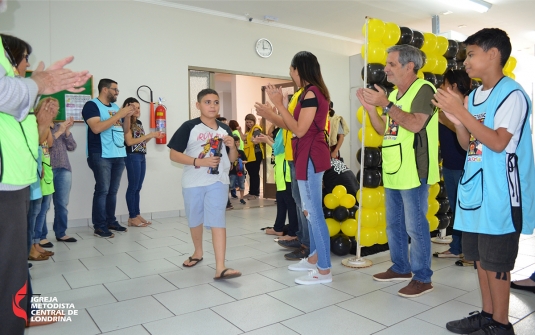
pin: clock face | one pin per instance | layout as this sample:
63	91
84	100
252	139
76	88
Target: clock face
264	48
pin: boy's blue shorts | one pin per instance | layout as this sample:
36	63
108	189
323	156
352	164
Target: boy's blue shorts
239	180
206	205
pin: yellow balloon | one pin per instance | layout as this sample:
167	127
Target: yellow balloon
392	34
434	190
381	190
442	46
349	227
431	63
333	226
432	207
368	237
433	222
510	64
430	43
340	191
376	30
331	201
372	138
371	198
382	238
376	52
509	74
381	216
442	65
369	217
420	74
348	200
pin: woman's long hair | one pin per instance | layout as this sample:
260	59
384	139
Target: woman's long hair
459	77
249	117
15	48
133	119
309	71
233	124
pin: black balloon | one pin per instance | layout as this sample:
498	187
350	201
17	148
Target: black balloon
452	64
372	157
453	47
327	213
460	66
406	35
372	178
417	39
475	84
461	53
376	73
352	211
444	206
442	194
340	213
386	83
443	221
340	245
440	80
430	77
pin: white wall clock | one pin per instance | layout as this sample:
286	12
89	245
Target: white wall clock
264	48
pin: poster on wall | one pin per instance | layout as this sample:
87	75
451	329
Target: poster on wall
74	103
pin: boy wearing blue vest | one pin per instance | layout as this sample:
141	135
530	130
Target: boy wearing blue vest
105	154
496	192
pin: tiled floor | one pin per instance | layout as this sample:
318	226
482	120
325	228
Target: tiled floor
135	284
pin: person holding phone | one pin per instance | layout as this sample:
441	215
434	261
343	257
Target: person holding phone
255	155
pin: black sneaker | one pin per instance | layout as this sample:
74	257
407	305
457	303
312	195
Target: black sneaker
290	244
103	233
468	325
117	227
298	254
494	329
242	202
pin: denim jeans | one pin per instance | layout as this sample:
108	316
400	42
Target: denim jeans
35	208
107	172
405	215
312	202
286	204
40	231
302	233
136	165
62	187
451	180
532	277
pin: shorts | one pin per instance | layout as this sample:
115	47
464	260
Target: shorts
496	253
240	179
206	205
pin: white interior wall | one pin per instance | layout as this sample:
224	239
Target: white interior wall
141	44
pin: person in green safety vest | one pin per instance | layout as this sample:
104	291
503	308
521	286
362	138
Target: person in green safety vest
410	164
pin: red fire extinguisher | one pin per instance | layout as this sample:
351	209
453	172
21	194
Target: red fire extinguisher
160	121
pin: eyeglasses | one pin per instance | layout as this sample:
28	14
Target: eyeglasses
113	88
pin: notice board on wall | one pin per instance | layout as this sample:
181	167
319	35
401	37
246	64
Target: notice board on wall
71	104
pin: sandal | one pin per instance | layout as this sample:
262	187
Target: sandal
446	254
143	220
251	197
40	257
223	274
47	253
131	223
190	259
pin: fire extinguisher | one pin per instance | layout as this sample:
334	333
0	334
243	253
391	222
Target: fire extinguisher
160	121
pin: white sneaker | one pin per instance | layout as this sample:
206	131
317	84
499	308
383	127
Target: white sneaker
314	277
303	265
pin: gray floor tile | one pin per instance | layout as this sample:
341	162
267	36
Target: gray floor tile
93	277
193	299
201	322
148	268
81	324
139	287
247	286
308	298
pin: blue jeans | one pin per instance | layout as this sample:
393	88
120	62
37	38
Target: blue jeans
405	215
312	202
62	187
136	165
532	277
40	231
35	208
107	172
451	181
302	233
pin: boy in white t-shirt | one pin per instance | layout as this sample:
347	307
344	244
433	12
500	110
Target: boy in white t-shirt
206	148
496	192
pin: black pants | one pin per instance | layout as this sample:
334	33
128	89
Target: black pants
286	204
253	170
14	207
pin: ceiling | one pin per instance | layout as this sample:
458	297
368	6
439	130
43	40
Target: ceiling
344	19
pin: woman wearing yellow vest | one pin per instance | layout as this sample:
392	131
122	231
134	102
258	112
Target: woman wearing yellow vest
255	155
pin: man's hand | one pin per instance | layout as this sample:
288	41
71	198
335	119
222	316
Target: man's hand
126	111
373	97
367	106
56	78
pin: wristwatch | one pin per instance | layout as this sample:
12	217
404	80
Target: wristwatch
387	108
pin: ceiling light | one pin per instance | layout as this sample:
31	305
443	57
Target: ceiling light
462	26
447	12
478	5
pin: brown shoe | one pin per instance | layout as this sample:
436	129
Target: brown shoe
415	289
390	275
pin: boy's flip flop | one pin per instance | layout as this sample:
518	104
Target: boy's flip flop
223	276
196	260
